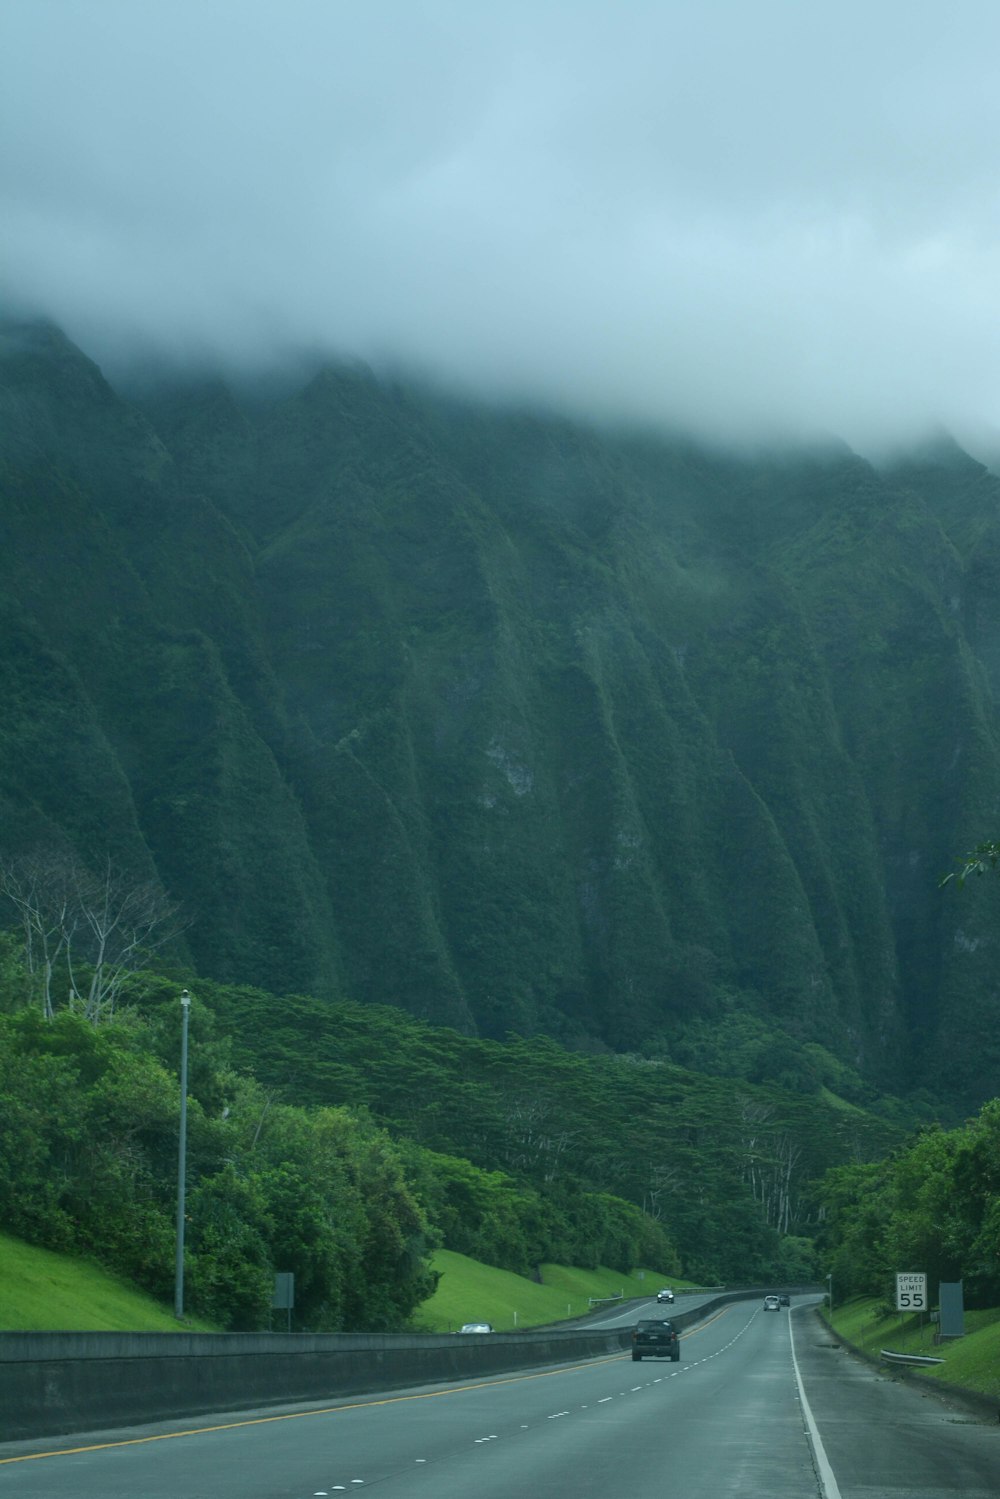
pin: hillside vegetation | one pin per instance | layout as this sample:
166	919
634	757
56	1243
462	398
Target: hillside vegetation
515	725
350	1143
88	1164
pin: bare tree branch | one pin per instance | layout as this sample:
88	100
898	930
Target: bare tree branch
99	926
40	889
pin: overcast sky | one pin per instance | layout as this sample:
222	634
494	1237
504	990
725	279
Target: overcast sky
747	216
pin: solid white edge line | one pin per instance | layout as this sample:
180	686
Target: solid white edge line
828	1483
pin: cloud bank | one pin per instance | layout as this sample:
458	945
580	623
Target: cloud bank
752	220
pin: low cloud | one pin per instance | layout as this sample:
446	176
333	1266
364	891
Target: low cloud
750	220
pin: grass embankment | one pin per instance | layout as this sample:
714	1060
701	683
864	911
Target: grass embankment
973	1362
45	1292
472	1292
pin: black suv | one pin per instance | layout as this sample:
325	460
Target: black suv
656	1338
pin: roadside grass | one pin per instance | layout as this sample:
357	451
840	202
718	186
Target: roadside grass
472	1292
45	1292
972	1361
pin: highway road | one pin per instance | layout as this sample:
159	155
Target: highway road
761	1406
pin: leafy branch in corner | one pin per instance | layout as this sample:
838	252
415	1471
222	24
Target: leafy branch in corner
983	859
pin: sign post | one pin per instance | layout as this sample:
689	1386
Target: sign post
284	1293
952	1320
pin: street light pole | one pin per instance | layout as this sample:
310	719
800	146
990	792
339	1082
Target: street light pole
181	1162
829	1293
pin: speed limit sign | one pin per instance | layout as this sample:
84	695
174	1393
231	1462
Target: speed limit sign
911	1292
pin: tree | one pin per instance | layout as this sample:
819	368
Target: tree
97	927
40	889
125	920
856	1204
927	1227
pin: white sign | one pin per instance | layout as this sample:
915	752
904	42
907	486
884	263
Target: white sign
911	1292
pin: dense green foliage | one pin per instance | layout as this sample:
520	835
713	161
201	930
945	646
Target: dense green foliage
933	1206
88	1142
88	1163
545	1135
513	724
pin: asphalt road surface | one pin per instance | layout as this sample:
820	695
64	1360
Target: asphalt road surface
761	1406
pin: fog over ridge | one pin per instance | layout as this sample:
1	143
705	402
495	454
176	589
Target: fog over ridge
747	220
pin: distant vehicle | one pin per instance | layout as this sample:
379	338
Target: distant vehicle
655	1339
476	1327
772	1304
783	1298
665	1295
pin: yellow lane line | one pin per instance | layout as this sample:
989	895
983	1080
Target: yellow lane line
169	1436
330	1410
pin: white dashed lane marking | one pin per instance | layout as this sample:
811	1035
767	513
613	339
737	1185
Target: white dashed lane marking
555	1416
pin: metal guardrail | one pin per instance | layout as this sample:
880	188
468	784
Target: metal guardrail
603	1300
920	1360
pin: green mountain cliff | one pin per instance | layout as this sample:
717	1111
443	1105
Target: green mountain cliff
517	725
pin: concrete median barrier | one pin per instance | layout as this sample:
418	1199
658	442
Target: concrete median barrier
56	1383
52	1384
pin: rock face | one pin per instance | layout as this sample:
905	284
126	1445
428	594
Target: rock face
514	724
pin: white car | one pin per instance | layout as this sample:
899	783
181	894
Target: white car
772	1304
476	1327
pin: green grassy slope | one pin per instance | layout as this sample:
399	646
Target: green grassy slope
45	1292
472	1292
972	1362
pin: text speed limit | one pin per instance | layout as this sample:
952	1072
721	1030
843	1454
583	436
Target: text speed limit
911	1293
